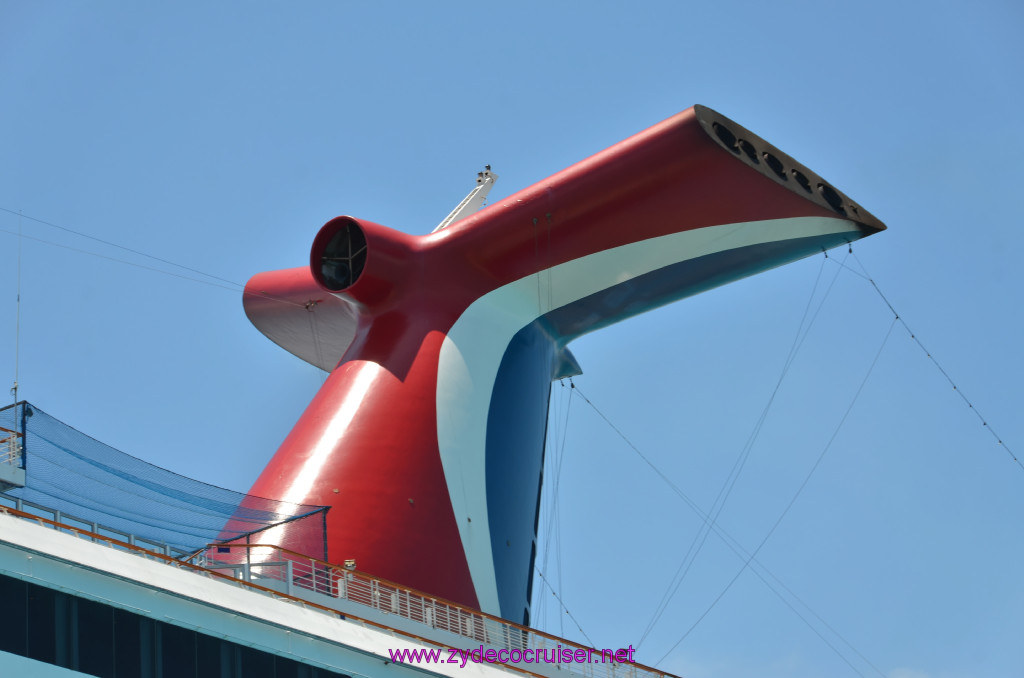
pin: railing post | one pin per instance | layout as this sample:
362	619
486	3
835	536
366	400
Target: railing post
289	569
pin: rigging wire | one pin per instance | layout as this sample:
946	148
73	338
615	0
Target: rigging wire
213	281
120	247
558	569
235	287
757	567
558	510
553	528
796	495
536	263
314	329
550	267
122	261
222	283
562	603
931	357
538	607
803	329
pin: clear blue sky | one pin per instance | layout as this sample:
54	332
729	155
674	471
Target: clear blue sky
222	135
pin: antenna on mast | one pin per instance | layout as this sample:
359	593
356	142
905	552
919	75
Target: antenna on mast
472	202
17	319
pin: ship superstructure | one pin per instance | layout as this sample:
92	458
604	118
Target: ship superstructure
401	512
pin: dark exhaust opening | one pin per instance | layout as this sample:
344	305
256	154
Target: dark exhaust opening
768	160
343	258
801	179
727	137
776	166
832	198
749	149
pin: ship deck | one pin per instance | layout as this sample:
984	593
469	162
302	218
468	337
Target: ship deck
281	602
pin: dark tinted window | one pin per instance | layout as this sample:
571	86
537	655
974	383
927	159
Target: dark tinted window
256	664
95	638
177	650
40	624
104	641
127	648
13	633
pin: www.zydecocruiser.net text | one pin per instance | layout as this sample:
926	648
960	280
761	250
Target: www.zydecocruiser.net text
528	655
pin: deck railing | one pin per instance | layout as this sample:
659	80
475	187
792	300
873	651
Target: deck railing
10	447
291	575
290	572
59	519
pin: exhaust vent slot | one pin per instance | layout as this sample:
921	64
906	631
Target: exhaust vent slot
749	149
726	137
802	180
831	197
776	166
780	168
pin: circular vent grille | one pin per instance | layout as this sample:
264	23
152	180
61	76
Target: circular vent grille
344	257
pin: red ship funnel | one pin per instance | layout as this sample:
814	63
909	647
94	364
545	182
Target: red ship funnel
427	438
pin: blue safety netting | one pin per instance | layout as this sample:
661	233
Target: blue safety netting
92	483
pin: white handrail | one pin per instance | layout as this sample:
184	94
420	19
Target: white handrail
298	573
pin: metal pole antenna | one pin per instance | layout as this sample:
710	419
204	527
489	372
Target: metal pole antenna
17	319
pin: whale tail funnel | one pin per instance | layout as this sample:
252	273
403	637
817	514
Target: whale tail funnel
427	437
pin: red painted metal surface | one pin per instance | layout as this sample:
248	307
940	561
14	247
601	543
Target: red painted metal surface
367	444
